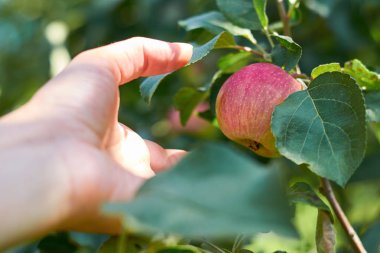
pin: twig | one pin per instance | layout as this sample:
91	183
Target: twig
247	49
284	17
347	227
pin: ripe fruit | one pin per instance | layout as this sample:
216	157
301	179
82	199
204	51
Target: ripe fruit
246	101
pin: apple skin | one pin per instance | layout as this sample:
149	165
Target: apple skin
246	101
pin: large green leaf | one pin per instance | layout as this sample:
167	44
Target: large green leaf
240	12
323	126
260	6
216	23
214	192
286	53
150	84
366	79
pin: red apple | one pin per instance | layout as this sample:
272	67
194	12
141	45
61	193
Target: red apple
246	101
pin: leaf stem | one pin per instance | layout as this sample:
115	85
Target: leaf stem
292	8
349	230
266	32
284	17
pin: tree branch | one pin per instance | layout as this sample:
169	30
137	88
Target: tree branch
347	227
284	17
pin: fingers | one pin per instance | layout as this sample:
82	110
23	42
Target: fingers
162	159
136	57
87	89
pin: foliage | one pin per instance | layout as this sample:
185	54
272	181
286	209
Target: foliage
331	129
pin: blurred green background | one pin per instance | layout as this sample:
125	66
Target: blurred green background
38	37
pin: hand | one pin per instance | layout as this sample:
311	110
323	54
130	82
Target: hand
63	154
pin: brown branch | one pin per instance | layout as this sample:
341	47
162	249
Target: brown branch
284	17
347	227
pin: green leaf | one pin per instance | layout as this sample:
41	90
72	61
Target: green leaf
214	192
330	67
59	243
203	21
371	238
186	99
321	7
286	53
372	102
368	80
222	40
260	6
149	86
323	126
240	13
325	234
230	63
215	23
302	192
368	170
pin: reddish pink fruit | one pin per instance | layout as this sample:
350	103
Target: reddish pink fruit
246	101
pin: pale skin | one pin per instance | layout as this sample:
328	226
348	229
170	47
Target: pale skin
63	154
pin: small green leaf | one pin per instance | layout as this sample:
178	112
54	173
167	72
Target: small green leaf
149	86
321	7
240	13
330	67
286	53
368	80
186	99
302	192
222	40
372	102
260	6
325	234
323	126
230	63
215	23
186	200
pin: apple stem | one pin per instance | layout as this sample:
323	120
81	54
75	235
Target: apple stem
284	17
328	192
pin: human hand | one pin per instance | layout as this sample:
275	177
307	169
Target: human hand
64	153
